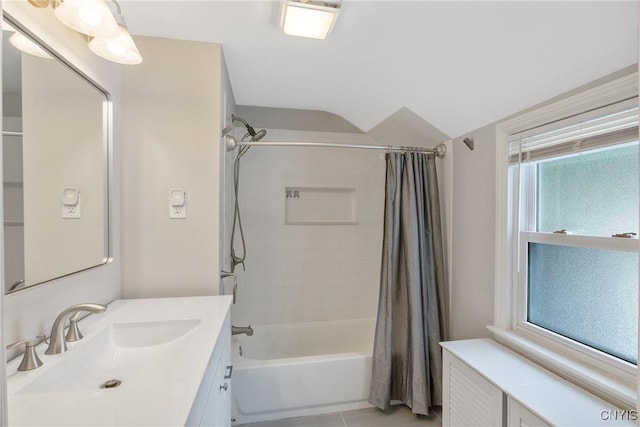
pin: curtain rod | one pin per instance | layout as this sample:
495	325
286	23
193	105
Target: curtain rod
231	143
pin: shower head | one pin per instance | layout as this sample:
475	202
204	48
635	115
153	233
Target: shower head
258	135
255	136
231	142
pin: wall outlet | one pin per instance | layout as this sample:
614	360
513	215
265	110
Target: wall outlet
177	203
71	212
178	212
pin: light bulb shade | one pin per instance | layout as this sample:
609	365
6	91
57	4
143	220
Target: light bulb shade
120	49
308	19
91	17
26	45
7	27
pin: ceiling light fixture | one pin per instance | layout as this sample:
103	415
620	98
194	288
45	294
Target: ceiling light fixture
120	49
308	18
108	34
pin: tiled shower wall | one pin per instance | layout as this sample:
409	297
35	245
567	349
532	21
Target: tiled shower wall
305	273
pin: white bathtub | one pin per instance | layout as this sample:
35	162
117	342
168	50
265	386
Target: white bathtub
301	369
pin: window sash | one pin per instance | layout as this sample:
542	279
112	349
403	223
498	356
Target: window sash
580	241
520	324
524	187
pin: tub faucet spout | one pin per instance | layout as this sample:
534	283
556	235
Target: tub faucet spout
58	343
236	330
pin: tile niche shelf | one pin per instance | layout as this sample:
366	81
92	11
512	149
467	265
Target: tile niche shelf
320	205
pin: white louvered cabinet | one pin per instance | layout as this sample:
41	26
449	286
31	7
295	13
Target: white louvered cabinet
520	416
468	398
486	384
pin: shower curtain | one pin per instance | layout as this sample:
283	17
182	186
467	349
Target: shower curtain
407	359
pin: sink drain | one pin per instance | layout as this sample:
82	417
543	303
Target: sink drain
111	384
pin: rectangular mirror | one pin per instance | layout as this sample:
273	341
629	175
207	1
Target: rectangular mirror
55	163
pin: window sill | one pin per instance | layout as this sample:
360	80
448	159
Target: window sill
592	379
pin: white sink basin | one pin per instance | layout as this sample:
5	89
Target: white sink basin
120	351
157	349
148	334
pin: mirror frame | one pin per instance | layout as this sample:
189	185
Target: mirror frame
107	150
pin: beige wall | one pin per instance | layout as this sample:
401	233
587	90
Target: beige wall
473	216
171	138
32	311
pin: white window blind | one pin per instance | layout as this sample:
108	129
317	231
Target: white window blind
612	129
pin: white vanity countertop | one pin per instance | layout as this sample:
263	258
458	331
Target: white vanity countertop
158	348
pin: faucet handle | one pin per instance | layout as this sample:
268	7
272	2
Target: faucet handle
30	359
74	334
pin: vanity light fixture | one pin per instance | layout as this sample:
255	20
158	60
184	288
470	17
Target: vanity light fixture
120	49
24	44
90	17
107	33
309	18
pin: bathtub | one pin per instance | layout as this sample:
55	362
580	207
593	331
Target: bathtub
294	370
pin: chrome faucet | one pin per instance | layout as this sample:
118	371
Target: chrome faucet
58	343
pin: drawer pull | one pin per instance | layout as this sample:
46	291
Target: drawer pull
228	373
224	387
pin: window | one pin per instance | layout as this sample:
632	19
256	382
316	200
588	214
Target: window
567	181
578	187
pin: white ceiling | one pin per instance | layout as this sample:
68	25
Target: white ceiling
457	64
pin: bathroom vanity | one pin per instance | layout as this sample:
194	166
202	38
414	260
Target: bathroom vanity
162	361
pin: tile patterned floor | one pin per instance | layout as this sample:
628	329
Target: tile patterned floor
399	416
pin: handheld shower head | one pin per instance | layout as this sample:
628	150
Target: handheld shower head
231	142
258	135
255	136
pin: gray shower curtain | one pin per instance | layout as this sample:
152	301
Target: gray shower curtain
407	360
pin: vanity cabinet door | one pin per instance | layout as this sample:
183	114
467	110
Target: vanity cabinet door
217	411
212	405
